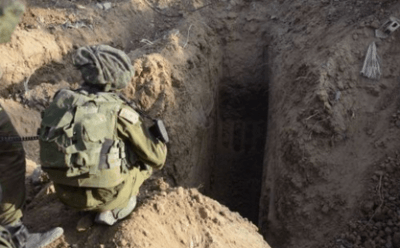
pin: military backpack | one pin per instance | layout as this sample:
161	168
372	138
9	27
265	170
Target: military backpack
79	143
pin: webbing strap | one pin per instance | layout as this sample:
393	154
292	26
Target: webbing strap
13	139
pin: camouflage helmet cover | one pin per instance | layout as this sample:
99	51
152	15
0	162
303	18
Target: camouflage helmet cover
104	65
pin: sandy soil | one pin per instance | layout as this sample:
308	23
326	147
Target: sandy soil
265	106
164	217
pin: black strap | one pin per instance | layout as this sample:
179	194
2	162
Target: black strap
13	139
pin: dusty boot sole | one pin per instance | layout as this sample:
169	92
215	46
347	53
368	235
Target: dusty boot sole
112	216
40	240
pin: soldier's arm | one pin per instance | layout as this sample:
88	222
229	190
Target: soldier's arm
131	128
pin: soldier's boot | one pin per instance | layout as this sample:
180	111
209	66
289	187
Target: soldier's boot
112	216
24	239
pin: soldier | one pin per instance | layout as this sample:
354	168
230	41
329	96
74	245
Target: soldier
12	162
94	145
5	236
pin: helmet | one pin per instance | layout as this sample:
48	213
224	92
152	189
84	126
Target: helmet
104	66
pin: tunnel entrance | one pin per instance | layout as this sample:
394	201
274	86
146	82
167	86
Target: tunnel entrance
242	113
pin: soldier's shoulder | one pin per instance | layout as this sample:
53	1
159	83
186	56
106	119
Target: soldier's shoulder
129	114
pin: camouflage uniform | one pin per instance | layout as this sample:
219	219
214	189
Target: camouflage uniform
104	70
12	156
13	233
151	154
12	173
12	181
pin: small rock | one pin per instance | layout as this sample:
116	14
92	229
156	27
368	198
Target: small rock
46	190
355	36
180	191
36	177
274	18
107	6
203	213
159	207
30	166
123	243
198	198
375	24
85	223
193	192
161	184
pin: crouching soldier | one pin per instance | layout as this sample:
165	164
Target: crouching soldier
94	146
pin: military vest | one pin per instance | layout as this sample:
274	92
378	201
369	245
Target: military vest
79	144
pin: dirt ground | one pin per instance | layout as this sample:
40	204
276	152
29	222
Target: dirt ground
265	106
164	217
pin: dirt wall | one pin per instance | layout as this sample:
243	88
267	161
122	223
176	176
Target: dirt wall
177	80
328	126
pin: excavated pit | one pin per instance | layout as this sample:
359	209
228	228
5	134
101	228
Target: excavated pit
240	143
241	131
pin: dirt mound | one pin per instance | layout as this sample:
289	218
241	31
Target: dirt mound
164	217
